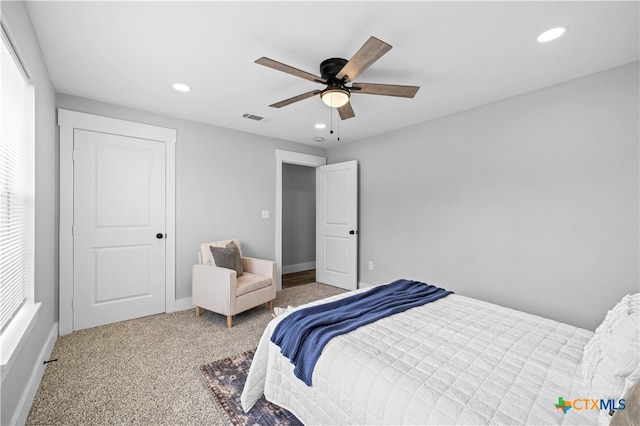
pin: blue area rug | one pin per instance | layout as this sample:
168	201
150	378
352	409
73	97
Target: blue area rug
225	378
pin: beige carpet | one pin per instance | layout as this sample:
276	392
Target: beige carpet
145	371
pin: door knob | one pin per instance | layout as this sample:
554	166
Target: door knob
352	232
159	235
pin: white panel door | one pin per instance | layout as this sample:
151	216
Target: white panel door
337	224
119	226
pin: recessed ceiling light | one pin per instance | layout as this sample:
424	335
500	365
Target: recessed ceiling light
180	87
551	34
318	139
320	126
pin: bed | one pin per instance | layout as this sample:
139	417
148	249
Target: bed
456	360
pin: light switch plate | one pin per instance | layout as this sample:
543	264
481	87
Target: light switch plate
265	214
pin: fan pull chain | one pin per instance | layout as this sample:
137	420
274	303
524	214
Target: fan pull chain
331	120
331	131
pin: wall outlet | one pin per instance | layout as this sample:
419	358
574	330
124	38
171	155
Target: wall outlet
371	265
265	214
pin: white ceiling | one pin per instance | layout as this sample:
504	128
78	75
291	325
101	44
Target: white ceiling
462	54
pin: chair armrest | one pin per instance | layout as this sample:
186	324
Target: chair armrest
260	267
214	288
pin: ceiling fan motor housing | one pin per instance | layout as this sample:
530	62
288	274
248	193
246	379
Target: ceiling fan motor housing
329	68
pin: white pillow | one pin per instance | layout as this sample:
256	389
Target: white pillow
611	359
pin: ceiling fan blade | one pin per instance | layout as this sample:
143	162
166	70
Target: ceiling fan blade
346	111
289	69
295	99
370	52
385	89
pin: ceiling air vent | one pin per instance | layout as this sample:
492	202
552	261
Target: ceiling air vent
253	117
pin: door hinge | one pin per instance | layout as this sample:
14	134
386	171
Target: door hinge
72	305
73	230
73	155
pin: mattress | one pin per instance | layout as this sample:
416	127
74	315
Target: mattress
457	360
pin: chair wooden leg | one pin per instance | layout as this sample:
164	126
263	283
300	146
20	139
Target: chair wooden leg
229	318
197	311
270	305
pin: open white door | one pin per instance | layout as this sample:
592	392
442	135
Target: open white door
337	224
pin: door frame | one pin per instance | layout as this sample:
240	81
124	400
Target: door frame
68	121
299	159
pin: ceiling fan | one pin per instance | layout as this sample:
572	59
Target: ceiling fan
336	73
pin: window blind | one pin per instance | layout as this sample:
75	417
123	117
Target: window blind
16	184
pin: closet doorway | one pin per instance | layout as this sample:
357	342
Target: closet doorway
285	158
298	224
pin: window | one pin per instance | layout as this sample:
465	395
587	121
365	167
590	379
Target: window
16	190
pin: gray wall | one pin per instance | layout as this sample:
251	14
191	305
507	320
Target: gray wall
28	366
298	214
224	179
531	202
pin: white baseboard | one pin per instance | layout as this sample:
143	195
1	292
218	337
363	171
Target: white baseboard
183	304
290	269
364	285
24	406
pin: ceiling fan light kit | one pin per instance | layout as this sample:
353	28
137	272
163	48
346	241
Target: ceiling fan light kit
336	73
335	98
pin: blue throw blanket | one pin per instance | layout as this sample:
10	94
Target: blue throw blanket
303	334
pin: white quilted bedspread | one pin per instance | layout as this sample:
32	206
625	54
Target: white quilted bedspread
454	361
